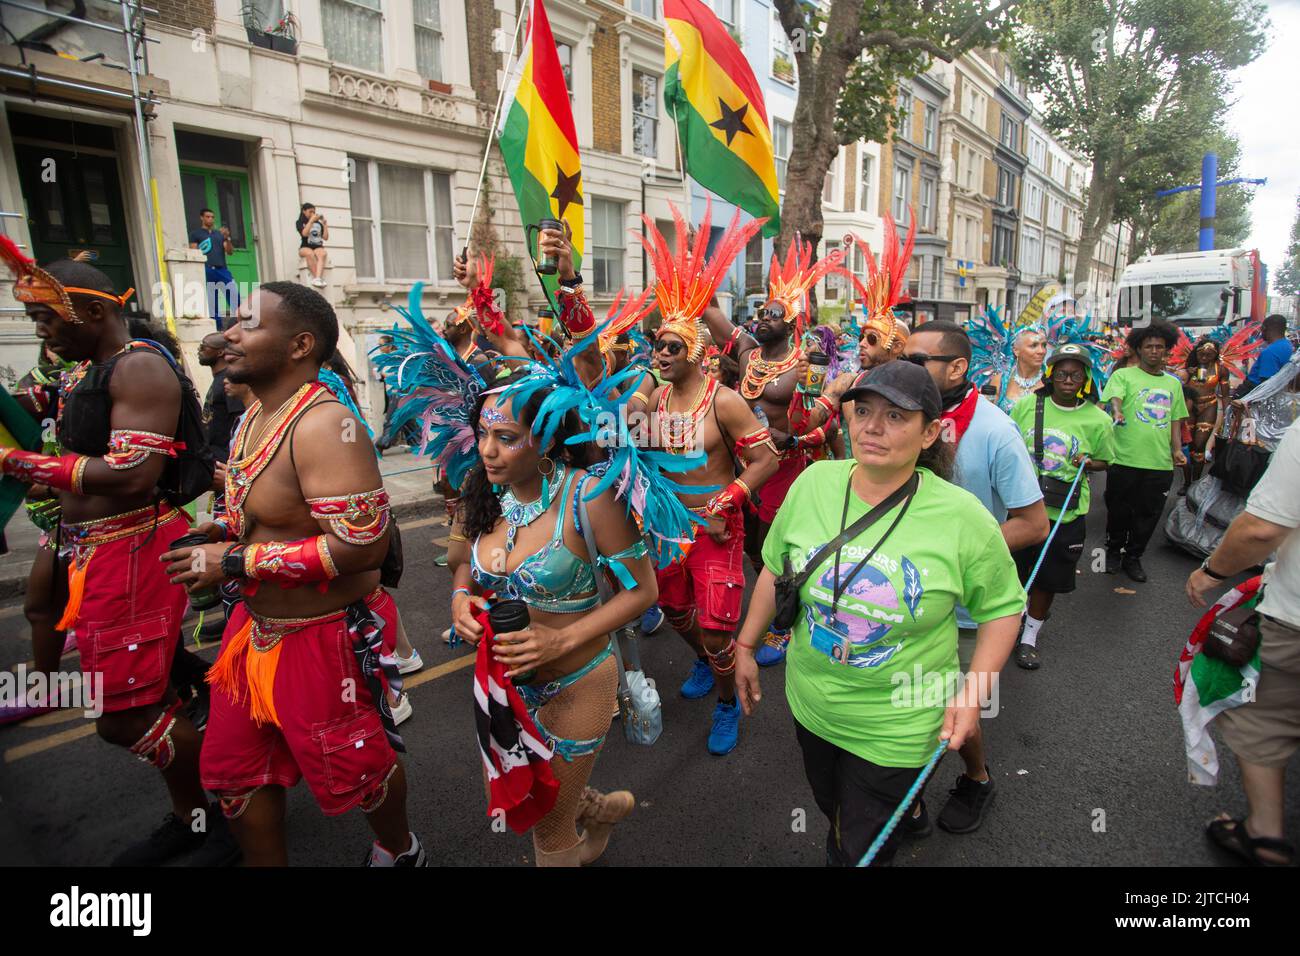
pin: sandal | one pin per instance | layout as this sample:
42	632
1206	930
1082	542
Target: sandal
1231	835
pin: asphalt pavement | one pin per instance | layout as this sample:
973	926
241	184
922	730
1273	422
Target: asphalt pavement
1087	754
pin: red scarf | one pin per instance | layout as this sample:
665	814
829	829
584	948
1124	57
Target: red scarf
518	762
959	416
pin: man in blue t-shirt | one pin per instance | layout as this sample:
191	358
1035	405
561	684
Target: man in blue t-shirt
216	245
1275	354
993	465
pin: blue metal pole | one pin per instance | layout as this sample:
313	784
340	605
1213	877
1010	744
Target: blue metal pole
1209	184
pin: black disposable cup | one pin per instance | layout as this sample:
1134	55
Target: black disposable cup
506	617
205	598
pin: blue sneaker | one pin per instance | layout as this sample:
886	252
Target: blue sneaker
726	728
770	653
699	682
652	620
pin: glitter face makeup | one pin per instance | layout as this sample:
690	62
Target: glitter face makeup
493	416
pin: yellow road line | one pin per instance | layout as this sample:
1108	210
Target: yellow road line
76	733
54	718
48	743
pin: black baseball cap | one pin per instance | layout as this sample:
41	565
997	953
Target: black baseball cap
901	383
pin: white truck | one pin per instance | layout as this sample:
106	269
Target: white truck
1193	290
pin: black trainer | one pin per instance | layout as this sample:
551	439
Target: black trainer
1027	657
968	804
917	826
1133	568
414	856
1113	560
174	838
220	848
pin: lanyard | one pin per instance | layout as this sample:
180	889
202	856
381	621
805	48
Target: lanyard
906	490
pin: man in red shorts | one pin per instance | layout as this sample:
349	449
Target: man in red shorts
117	414
769	372
701	595
301	686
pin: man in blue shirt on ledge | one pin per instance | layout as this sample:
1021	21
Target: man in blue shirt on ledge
216	245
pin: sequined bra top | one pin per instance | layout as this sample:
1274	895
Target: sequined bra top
554	579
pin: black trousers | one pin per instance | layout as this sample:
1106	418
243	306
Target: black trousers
1135	500
857	797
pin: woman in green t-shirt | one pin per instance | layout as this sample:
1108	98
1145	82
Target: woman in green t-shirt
1074	429
872	675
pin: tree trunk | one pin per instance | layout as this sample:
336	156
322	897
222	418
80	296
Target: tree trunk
1096	219
814	143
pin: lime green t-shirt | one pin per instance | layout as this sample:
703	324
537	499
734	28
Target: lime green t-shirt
897	616
1083	429
1151	404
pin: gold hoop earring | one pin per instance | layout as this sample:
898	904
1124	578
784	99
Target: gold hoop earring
546	474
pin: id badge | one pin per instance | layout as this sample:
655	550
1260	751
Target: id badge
830	642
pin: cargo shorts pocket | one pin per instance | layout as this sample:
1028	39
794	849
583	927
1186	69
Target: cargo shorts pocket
132	657
354	751
724	593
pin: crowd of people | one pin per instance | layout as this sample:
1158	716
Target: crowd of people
910	510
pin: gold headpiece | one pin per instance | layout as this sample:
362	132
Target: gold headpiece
886	286
36	285
789	282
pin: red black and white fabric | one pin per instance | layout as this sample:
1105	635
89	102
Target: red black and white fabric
516	758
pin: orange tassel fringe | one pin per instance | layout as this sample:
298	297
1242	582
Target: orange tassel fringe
76	591
259	672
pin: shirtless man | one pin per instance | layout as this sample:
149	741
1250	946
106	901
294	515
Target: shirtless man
304	534
117	417
701	595
769	372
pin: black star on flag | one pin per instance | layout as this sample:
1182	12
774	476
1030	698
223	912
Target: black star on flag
568	189
732	121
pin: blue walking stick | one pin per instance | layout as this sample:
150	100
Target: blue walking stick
902	808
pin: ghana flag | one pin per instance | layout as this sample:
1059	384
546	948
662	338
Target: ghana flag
712	95
537	137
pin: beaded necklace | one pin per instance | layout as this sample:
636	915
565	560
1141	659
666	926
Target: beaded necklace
677	430
520	514
243	469
762	372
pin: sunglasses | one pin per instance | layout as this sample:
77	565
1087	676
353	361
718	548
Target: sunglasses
920	358
1064	376
672	348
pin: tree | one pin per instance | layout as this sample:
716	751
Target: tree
1132	85
849	56
1172	223
1288	275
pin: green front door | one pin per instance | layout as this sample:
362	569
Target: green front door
74	204
226	193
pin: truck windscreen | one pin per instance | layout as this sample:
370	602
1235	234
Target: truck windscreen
1188	303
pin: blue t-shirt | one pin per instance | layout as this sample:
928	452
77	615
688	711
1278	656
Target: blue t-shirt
993	465
1270	361
215	248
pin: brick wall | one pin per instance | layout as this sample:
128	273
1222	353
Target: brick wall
480	20
606	93
187	14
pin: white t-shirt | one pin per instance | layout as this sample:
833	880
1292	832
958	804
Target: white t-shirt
1277	499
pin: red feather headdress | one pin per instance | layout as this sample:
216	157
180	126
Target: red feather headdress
789	282
886	286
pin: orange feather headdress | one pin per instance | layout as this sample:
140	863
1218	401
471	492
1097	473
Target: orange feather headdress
886	286
684	281
623	315
789	282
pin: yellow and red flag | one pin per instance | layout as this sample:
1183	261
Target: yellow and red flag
711	92
536	133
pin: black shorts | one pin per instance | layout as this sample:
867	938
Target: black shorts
1057	575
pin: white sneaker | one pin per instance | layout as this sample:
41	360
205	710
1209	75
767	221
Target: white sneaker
403	710
409	665
319	283
446	636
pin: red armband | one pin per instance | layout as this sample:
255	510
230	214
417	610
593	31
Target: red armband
731	342
575	314
291	563
798	414
813	439
357	519
758	436
730	498
485	306
63	472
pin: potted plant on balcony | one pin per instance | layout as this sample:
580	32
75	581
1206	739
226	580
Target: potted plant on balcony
281	36
782	68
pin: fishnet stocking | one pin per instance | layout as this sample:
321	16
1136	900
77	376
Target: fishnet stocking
579	712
